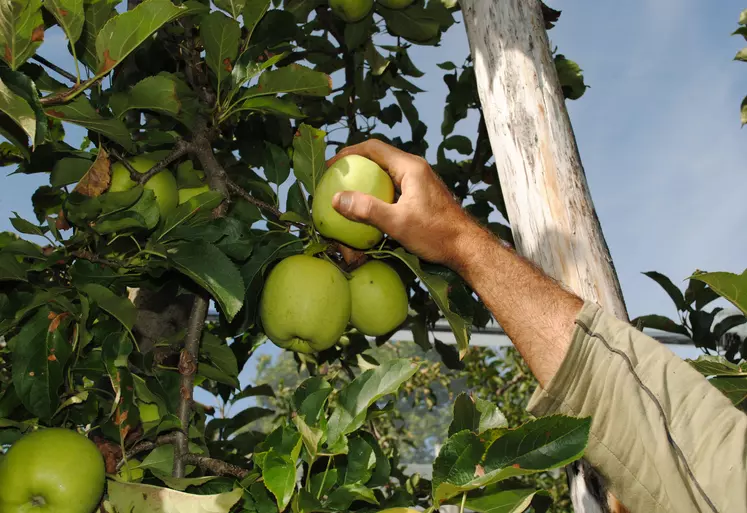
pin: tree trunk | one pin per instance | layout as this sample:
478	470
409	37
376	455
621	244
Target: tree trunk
547	198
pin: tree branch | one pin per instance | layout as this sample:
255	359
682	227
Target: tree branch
234	188
181	148
516	379
217	176
54	67
218	467
187	370
147	445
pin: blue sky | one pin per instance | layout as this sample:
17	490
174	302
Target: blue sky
658	133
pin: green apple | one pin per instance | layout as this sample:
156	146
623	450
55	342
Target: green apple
305	304
53	470
378	299
351	173
131	471
191	192
163	184
396	4
351	10
148	412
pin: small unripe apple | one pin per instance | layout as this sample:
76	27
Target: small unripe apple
378	299
305	304
55	470
396	4
163	184
351	173
351	10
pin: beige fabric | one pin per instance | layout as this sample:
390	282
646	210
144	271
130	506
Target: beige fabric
628	441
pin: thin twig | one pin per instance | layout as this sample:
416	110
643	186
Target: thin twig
147	445
234	188
54	67
217	176
187	370
181	148
516	379
217	467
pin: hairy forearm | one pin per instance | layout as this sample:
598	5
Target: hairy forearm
535	311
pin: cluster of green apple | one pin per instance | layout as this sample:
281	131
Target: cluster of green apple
355	10
307	301
163	184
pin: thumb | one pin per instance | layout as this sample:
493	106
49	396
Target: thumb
358	206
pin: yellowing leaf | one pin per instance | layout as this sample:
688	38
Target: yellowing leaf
141	498
97	178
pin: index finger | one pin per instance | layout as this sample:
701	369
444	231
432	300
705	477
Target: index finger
392	160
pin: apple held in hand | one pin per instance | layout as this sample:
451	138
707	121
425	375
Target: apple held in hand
351	10
52	470
378	299
351	173
305	304
163	184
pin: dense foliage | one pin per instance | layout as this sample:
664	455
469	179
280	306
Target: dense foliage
103	324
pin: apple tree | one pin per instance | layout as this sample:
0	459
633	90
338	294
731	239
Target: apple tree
208	125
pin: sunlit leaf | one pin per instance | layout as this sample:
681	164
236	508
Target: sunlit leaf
309	162
81	112
141	498
21	30
220	35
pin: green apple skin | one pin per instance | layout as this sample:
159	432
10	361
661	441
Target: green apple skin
163	184
189	193
53	470
351	173
305	304
378	299
396	4
351	10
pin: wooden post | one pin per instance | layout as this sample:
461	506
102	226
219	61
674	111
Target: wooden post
547	198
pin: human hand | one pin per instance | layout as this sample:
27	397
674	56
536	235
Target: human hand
426	219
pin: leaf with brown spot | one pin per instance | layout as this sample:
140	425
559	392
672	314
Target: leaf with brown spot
52	358
108	63
56	320
97	178
38	34
21	30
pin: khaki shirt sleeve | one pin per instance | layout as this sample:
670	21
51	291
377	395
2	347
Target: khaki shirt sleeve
637	393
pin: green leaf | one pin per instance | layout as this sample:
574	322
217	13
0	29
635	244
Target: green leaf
182	483
717	366
374	59
279	464
311	436
733	387
457	460
439	291
24	226
571	78
220	355
447	66
730	286
11	269
68	171
233	7
210	372
253	14
310	397
537	446
743	17
204	203
141	498
459	143
270	105
40	352
499	500
125	32
18	110
277	164
69	14
671	289
360	462
97	13
659	322
81	112
356	397
743	111
382	468
121	308
21	30
541	444
342	497
212	270
220	35
143	214
309	162
415	23
245	68
293	78
741	55
296	202
253	391
165	93
476	415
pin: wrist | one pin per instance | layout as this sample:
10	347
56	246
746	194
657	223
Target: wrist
470	242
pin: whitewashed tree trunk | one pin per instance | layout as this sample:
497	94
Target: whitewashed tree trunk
549	207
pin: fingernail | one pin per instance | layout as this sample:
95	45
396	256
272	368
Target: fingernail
342	202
